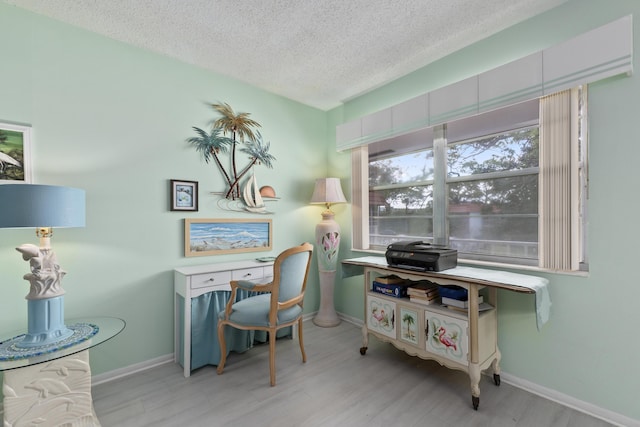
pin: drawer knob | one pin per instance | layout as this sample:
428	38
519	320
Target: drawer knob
247	275
211	279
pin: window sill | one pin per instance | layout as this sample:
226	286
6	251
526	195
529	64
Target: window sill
497	265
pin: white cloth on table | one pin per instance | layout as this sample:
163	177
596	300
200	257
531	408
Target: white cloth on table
535	283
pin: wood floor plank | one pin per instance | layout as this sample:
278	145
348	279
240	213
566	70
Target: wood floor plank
336	387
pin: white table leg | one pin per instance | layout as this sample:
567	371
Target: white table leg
495	365
52	393
365	338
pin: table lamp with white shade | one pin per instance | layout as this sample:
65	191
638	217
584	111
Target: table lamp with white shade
42	207
327	192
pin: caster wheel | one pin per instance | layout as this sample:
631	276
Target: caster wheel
363	350
475	401
496	379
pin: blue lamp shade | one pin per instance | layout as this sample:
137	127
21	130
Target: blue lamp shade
31	205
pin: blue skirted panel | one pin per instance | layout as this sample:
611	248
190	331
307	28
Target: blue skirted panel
205	349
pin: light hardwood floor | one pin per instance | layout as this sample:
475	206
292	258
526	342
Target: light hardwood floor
336	387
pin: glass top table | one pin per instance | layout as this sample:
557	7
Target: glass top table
105	329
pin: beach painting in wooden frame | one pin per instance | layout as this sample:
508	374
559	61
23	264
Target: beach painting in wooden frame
224	236
15	154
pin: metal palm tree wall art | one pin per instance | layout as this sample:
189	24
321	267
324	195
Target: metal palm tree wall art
232	132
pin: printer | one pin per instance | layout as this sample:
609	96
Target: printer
421	256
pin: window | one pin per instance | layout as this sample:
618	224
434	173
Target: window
478	185
493	196
401	190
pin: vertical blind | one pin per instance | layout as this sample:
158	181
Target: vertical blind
556	200
360	196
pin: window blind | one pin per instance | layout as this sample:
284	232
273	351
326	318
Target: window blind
558	197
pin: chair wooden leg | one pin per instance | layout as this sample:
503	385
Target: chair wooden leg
272	356
304	355
223	347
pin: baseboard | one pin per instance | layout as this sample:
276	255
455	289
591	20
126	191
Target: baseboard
553	395
132	369
353	320
569	401
308	316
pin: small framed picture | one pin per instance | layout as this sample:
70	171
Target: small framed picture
15	154
184	195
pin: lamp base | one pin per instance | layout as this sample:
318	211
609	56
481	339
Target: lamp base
45	323
326	316
11	350
328	244
45	339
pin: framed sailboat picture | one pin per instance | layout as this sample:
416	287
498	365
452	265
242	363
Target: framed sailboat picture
224	236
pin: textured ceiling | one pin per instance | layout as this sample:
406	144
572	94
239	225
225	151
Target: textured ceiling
318	52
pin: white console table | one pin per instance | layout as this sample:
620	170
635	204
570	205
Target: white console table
468	340
195	281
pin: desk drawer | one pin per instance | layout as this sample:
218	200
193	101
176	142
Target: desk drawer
252	273
219	278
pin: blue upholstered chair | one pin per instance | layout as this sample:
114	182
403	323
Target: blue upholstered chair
279	307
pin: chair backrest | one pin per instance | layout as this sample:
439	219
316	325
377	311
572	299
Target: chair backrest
290	270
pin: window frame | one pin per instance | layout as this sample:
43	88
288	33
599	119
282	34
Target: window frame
360	158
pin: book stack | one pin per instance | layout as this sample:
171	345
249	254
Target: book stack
391	285
423	292
391	279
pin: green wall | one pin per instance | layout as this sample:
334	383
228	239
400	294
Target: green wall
589	349
113	119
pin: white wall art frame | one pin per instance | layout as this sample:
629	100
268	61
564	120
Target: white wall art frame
15	154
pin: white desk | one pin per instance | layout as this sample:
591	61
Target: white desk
194	281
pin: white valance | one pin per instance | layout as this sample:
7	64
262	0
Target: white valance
603	52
